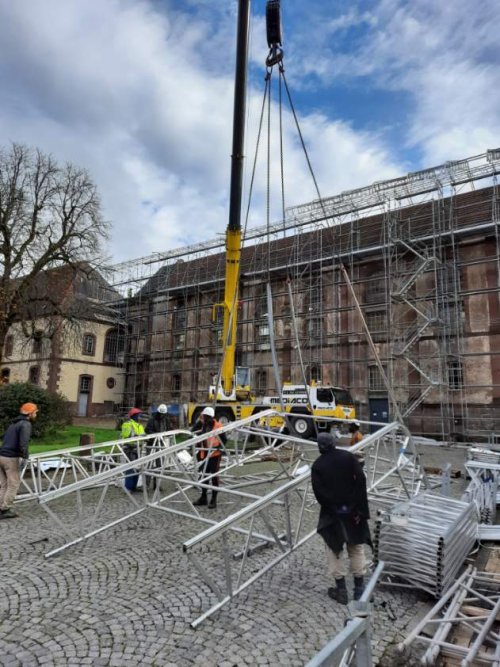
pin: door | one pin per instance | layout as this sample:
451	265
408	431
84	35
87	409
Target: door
84	386
379	412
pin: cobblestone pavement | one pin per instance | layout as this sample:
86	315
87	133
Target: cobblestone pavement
127	596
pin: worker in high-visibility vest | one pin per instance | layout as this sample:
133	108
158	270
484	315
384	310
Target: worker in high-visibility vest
131	429
209	455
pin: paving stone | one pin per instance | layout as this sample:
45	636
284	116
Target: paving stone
128	595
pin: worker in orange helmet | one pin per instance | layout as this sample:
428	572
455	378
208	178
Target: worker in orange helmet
14	454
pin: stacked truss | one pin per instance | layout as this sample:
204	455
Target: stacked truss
424	541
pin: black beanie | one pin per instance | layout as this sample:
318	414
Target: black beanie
325	442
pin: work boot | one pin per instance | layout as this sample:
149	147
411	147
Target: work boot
359	587
213	501
202	500
339	593
8	514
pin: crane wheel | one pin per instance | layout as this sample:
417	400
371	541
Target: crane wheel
302	427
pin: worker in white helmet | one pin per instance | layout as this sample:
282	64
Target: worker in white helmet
159	422
209	455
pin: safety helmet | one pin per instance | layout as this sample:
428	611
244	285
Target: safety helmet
28	408
210	412
162	409
134	411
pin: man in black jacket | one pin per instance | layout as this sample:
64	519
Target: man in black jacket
339	485
13	454
159	422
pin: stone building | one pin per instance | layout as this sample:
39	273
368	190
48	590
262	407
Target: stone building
408	269
78	355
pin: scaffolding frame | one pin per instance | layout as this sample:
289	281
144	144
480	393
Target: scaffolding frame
404	243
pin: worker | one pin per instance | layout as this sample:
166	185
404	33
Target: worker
159	422
209	454
132	429
356	435
339	485
14	454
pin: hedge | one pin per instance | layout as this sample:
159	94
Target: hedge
53	415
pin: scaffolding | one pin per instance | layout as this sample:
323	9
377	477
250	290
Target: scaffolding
423	254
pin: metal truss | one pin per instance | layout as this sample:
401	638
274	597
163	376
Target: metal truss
483	468
471	609
277	524
424	542
60	468
269	510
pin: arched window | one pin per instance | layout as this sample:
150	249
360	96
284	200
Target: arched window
89	341
34	375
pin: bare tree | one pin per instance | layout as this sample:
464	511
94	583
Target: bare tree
50	225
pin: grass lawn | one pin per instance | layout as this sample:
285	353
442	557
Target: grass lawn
70	437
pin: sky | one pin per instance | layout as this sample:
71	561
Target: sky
140	93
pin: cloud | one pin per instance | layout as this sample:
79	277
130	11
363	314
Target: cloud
140	93
444	55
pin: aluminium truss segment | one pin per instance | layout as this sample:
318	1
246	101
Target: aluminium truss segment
483	468
424	541
288	516
59	468
269	512
470	609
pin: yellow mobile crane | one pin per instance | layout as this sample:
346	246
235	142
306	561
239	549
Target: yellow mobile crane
230	393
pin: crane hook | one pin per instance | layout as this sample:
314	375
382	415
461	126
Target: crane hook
273	30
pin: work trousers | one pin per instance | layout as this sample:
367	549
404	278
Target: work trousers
209	468
337	563
10	481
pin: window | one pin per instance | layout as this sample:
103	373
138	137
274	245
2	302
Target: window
261	382
9	346
179	341
375	288
375	382
179	318
110	383
217	324
114	344
89	344
5	375
85	383
315	373
262	335
314	329
455	374
376	321
34	375
176	383
37	342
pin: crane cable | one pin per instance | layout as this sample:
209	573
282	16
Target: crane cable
342	267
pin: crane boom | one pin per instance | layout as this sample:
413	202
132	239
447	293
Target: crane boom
233	232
